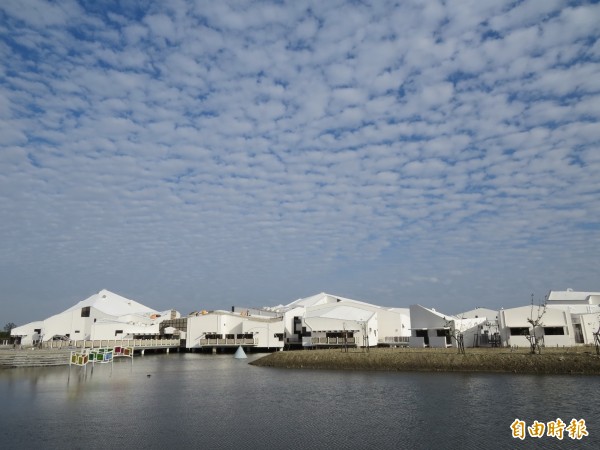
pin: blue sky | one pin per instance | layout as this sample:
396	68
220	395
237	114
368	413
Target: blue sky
207	154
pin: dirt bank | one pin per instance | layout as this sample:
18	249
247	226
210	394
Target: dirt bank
581	360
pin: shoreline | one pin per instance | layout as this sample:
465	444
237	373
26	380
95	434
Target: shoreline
552	361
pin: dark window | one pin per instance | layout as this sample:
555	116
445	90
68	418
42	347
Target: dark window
76	331
519	331
278	336
118	332
297	325
37	330
442	333
421	333
85	311
554	331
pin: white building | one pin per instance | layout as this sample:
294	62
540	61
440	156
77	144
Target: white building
487	333
430	328
104	315
328	320
222	329
568	318
321	320
554	326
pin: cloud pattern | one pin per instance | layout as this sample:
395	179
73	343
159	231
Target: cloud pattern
199	154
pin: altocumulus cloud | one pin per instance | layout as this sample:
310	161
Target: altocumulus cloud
202	154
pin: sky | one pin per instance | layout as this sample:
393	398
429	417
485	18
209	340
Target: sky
200	154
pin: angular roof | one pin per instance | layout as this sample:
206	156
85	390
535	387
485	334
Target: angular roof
341	312
571	296
113	305
477	313
322	299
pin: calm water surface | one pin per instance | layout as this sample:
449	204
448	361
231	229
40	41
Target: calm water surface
215	401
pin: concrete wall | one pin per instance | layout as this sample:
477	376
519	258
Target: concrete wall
224	323
589	325
393	323
265	332
517	318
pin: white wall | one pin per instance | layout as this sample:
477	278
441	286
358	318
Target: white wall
589	325
264	331
552	317
224	323
26	331
393	323
198	326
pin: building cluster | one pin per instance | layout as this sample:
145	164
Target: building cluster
567	318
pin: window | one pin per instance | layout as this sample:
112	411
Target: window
519	331
554	331
297	325
278	336
85	311
117	332
442	333
421	333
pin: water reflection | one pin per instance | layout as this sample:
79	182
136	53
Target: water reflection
193	400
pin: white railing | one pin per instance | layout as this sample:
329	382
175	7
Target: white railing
332	341
99	343
228	342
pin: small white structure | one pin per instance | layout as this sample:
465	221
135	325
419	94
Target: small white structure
431	328
487	333
104	315
240	353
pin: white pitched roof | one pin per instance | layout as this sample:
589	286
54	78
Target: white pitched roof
323	298
342	312
569	296
113	304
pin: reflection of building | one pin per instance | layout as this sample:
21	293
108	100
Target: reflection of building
322	320
567	318
104	315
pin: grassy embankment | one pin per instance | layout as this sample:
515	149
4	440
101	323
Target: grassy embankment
575	360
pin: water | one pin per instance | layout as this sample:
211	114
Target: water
215	401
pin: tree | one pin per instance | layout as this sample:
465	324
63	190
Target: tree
456	333
597	338
9	326
535	341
